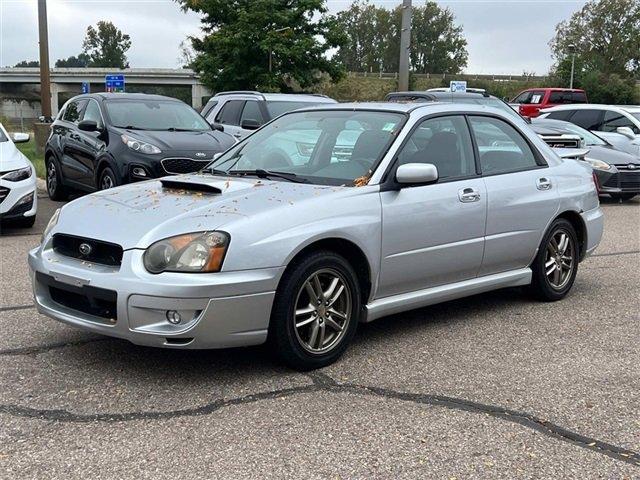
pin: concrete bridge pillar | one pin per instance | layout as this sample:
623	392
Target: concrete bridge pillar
197	92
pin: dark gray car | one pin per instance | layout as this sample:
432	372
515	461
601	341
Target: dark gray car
618	172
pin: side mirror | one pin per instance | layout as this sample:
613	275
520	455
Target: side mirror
250	124
412	173
88	125
217	126
627	132
20	137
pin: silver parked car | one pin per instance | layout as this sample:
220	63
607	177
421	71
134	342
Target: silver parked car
433	202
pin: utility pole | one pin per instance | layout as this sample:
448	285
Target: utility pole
572	51
405	44
45	83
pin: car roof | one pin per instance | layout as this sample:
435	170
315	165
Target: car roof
279	97
592	106
553	88
127	96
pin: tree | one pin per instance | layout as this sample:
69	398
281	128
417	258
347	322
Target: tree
106	46
81	61
264	44
373	39
606	36
27	63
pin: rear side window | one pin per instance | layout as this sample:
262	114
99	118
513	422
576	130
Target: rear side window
587	119
560	115
230	112
613	120
578	97
530	97
73	110
502	148
560	97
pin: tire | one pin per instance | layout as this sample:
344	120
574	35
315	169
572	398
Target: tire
107	179
622	196
55	188
547	284
291	335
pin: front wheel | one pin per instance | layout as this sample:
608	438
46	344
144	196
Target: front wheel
556	264
55	187
107	179
316	311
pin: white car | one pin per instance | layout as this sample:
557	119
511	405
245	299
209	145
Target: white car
18	199
618	124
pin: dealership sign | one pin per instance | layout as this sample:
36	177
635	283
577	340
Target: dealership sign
458	86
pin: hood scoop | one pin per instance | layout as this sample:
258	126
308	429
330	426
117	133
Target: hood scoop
190	186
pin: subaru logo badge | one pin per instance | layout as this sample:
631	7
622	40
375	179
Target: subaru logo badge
85	249
631	166
201	154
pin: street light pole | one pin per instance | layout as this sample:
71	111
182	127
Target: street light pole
405	44
278	30
572	50
45	83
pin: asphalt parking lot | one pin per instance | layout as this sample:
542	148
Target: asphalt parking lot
493	386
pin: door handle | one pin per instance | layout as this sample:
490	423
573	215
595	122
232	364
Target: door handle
468	195
543	184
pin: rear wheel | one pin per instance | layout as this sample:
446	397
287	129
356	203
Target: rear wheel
556	264
55	188
622	196
316	311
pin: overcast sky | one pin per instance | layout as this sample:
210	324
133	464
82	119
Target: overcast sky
507	36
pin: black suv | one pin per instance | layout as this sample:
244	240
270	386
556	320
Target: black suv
102	140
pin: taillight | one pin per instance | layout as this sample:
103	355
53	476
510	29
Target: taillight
596	182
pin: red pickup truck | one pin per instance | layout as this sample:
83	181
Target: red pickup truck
531	101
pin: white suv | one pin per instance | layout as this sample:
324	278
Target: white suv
241	112
619	124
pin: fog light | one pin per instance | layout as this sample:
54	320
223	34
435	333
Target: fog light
173	317
139	172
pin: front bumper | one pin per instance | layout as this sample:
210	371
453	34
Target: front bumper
226	309
620	179
13	193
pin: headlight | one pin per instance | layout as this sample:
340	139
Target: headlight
139	146
200	252
17	175
52	223
597	164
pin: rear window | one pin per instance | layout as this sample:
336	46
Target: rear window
530	97
579	97
3	137
407	99
560	115
277	108
588	119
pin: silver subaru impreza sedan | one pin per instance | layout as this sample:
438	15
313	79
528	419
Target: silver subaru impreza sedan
324	218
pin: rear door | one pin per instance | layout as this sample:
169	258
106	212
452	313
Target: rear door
71	141
522	194
434	234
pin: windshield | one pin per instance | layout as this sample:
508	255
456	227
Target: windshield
155	115
589	138
327	147
277	108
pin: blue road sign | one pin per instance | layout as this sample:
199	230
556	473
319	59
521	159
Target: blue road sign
114	83
86	87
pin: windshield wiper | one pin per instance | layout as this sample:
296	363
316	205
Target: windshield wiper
176	129
260	173
214	171
131	127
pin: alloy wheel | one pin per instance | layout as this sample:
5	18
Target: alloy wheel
52	179
106	182
560	259
322	311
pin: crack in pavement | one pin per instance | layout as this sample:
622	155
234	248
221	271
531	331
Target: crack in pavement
16	307
47	347
613	254
324	383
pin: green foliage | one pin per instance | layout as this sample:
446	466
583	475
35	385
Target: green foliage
606	36
373	39
268	45
611	89
29	151
81	61
27	63
106	46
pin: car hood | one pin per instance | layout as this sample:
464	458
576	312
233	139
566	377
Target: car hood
611	155
206	141
136	215
11	158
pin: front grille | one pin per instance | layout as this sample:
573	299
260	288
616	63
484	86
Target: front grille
95	301
4	191
612	182
629	180
183	165
99	252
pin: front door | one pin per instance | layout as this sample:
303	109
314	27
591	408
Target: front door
434	234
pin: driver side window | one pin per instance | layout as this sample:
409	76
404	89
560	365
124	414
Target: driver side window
444	142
